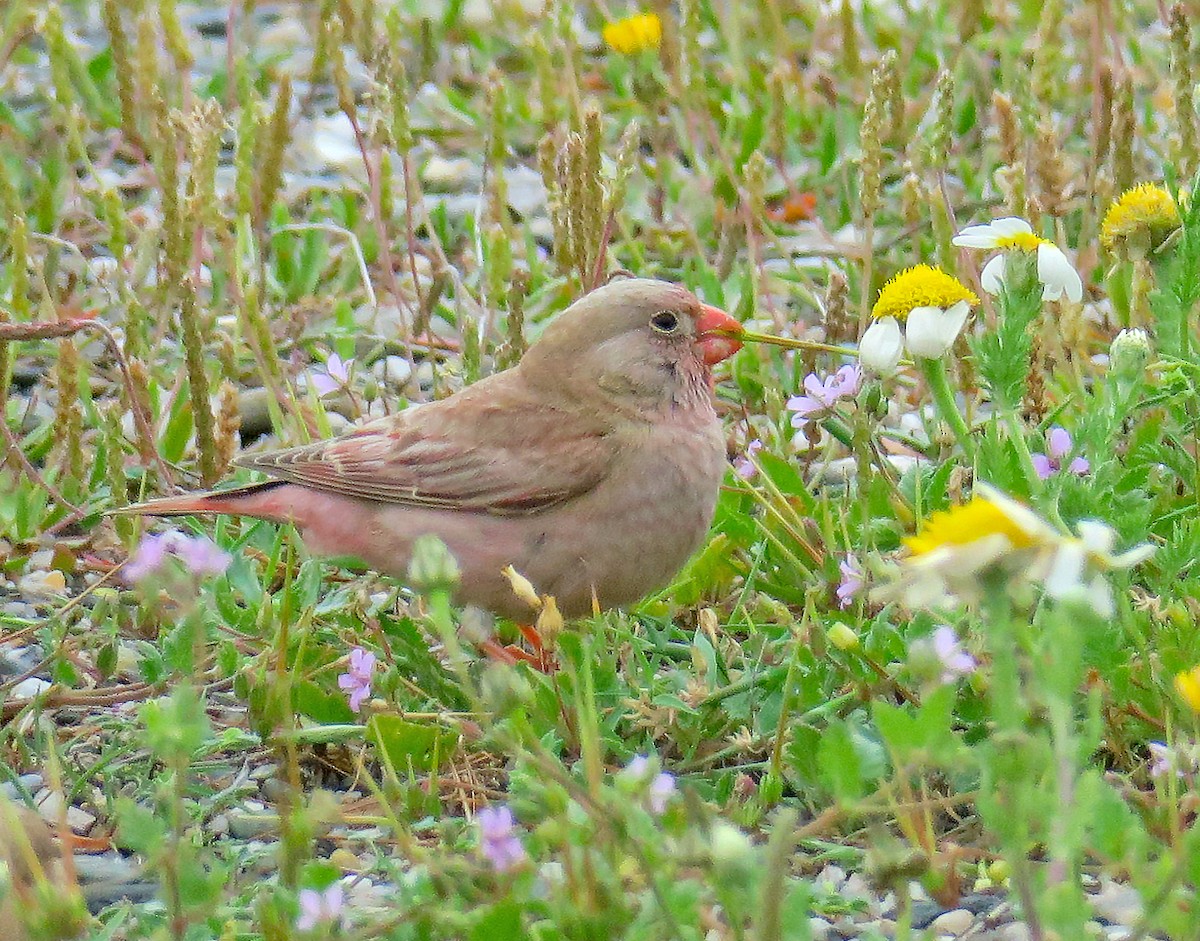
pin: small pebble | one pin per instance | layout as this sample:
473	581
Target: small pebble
43	584
346	861
50	807
243	825
820	929
28	688
953	923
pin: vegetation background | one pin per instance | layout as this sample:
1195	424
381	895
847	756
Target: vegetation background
252	224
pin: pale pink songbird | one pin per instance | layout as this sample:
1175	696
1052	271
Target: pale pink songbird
592	467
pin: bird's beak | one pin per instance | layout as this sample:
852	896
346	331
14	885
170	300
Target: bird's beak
716	331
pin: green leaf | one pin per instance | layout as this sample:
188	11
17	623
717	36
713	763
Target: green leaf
407	745
501	922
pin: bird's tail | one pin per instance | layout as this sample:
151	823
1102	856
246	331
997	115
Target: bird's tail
251	500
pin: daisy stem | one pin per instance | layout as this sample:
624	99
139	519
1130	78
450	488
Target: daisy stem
943	398
1017	434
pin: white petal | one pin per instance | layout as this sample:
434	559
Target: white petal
976	236
930	331
1011	225
1057	274
880	347
1097	537
1066	570
992	276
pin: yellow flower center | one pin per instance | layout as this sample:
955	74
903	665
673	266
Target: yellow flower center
1025	241
965	524
920	286
1187	684
634	34
1146	208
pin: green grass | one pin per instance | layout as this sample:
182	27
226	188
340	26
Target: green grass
241	263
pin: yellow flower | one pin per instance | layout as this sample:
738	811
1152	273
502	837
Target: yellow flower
960	553
1146	210
970	522
634	34
933	308
1187	684
920	286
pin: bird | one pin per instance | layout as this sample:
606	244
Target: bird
31	857
592	467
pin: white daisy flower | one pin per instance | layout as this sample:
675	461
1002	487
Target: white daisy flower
1054	271
922	309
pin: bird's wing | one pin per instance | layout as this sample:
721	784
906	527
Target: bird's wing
493	448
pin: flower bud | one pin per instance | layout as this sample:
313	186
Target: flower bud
843	637
1129	354
432	568
730	846
522	587
549	621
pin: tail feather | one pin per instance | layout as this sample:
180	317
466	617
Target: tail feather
236	501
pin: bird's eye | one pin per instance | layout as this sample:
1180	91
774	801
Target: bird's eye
665	322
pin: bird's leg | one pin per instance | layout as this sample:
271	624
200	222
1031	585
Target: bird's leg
509	653
547	662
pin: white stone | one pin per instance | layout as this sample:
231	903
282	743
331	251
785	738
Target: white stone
953	922
44	584
28	688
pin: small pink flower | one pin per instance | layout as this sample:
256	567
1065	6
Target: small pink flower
852	580
744	466
199	555
498	838
320	908
1164	759
659	789
334	376
823	394
1058	446
358	680
955	661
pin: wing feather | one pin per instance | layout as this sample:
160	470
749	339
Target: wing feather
492	448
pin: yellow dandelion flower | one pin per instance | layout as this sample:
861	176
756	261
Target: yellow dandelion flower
1187	684
920	286
634	34
968	523
1145	210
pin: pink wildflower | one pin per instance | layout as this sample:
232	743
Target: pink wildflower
744	466
357	682
320	908
498	839
1058	446
823	394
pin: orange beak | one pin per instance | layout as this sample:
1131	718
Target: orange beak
714	327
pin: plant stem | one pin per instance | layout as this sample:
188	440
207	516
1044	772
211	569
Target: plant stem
943	398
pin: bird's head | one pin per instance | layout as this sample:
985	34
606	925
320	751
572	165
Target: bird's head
639	339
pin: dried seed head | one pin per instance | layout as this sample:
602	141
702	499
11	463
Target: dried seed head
1102	117
271	148
839	325
1010	128
871	162
229	423
1124	133
497	150
1052	170
1183	81
1048	65
941	129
